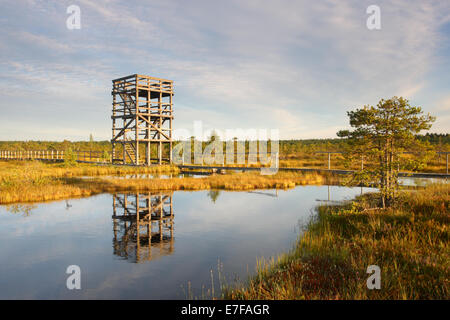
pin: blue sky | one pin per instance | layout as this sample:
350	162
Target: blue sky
296	66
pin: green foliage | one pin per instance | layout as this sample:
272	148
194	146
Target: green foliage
213	195
382	134
106	156
70	158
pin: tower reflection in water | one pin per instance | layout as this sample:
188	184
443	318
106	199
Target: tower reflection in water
143	225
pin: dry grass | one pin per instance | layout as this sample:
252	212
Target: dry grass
35	170
410	243
30	182
320	161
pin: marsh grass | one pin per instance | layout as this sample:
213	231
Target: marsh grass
27	181
409	242
35	181
435	165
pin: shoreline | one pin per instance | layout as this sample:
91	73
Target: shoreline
409	243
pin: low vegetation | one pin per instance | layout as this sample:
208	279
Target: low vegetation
32	181
409	242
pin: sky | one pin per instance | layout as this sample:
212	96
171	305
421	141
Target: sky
295	66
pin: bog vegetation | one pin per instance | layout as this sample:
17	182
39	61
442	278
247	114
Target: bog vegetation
409	242
29	181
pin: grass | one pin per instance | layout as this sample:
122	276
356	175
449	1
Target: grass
320	161
35	181
435	165
409	242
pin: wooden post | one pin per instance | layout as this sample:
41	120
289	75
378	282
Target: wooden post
329	160
138	228
160	123
113	144
147	127
137	123
170	130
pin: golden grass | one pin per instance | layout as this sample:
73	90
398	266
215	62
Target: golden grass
410	243
30	182
303	160
435	165
35	170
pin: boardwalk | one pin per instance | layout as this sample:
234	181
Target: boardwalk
97	157
334	171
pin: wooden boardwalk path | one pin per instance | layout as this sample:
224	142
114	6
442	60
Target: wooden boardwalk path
96	157
335	171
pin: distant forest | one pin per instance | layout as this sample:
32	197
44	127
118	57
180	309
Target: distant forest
440	141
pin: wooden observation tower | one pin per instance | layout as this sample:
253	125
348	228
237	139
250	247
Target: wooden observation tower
142	118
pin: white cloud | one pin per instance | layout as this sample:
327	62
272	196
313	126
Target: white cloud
297	65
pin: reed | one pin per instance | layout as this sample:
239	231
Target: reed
409	242
31	170
33	182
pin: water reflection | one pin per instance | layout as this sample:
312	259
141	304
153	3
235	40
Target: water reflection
213	195
24	209
143	225
239	228
329	198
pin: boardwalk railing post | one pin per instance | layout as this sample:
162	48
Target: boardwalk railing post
447	163
329	160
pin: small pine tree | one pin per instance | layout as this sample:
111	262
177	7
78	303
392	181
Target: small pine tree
381	135
70	158
106	156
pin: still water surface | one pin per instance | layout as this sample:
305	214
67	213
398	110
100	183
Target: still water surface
190	233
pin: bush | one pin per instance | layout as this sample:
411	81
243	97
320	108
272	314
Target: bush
70	158
106	157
